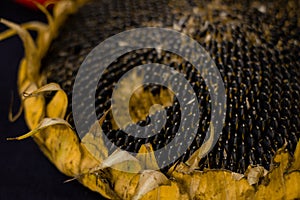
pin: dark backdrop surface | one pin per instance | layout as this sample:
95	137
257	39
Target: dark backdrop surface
25	172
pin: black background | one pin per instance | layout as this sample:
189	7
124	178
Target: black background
25	172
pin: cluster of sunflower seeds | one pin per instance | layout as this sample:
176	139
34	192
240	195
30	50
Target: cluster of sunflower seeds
258	61
255	47
173	113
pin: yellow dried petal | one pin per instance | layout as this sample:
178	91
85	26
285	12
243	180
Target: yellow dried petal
94	142
149	180
296	163
46	122
292	185
147	158
165	192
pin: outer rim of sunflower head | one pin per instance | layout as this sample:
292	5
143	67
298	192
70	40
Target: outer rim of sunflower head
59	142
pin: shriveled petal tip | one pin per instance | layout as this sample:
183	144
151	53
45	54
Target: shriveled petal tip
202	151
46	88
149	180
11	117
147	158
46	122
43	8
4	34
121	160
254	174
24	35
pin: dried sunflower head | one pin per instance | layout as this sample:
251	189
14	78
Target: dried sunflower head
255	47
